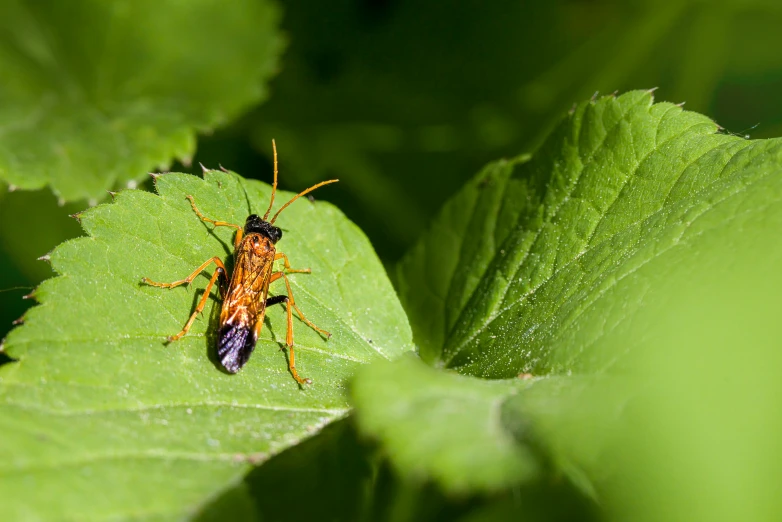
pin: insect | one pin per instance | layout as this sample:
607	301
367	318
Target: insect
246	295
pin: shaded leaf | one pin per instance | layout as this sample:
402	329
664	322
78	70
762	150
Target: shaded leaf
97	94
442	425
105	420
327	477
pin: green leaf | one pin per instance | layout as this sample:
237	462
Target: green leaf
442	425
96	94
686	426
105	420
518	273
549	266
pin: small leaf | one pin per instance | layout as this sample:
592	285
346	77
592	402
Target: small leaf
442	425
518	272
96	94
104	420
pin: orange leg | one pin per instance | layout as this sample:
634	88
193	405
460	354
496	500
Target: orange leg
291	354
280	255
198	309
188	279
239	230
220	270
292	303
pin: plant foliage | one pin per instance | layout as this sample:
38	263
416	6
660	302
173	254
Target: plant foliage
560	268
99	412
96	94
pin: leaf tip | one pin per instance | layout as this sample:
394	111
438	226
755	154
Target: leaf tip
112	194
31	295
681	104
594	96
187	161
12	188
46	257
76	216
18	321
224	169
204	169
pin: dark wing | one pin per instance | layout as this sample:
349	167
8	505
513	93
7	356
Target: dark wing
235	344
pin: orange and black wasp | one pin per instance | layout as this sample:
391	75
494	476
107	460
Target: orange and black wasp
246	295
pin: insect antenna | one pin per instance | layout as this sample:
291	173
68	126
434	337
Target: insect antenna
300	194
274	185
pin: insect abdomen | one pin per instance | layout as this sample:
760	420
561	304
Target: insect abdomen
235	344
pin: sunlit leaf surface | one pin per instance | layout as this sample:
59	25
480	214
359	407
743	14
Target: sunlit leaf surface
104	420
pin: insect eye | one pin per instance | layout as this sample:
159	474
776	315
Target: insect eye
278	232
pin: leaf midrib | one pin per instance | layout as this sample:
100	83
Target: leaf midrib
553	215
171	406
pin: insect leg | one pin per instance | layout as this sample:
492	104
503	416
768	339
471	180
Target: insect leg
198	309
189	279
289	342
238	228
292	303
288	268
278	299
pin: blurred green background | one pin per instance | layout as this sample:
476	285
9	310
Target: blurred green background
404	101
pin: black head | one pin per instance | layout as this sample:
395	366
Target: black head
264	228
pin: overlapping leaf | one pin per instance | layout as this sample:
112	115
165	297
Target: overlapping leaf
446	426
104	420
544	266
99	93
